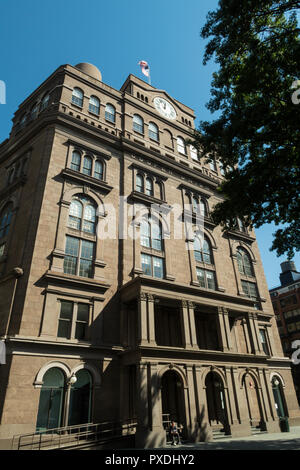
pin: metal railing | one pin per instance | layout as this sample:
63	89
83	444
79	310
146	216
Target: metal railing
73	436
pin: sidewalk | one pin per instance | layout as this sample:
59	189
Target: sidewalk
273	441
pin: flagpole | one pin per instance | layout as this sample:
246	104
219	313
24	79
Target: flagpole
149	81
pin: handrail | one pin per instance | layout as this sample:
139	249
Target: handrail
58	437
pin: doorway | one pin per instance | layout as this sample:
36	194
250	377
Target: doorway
173	404
216	401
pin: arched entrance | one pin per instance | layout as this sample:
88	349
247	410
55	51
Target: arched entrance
172	395
216	401
279	397
253	401
80	399
50	411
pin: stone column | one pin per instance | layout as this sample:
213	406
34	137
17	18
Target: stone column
143	429
185	325
227	329
221	325
254	334
142	319
151	320
146	320
193	421
156	404
192	321
246	333
242	427
204	430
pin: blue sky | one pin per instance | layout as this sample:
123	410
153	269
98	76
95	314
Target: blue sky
37	36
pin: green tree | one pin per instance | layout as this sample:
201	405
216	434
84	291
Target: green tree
256	134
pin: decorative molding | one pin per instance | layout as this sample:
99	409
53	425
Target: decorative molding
85	181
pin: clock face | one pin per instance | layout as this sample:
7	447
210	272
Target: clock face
164	108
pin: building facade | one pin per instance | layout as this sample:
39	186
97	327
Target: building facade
108	316
286	305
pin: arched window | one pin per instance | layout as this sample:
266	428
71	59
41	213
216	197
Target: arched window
240	225
76	160
194	153
213	165
181	145
149	187
195	203
160	188
139	183
244	262
168	139
87	166
45	102
98	170
203	208
153	131
202	251
77	97
80	399
34	111
151	233
23	120
138	124
110	113
5	219
50	411
94	105
82	214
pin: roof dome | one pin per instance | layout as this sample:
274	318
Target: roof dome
89	69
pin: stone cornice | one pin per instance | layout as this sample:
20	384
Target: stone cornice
85	180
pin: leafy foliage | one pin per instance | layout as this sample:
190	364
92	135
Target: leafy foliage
256	134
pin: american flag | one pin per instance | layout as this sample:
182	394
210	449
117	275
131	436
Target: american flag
145	67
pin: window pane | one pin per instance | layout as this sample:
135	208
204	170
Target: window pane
85	268
149	187
146	264
210	277
110	113
66	310
158	267
94	105
153	131
70	264
138	124
83	312
87	166
98	172
80	330
180	145
139	183
194	153
72	246
64	329
145	233
87	250
200	276
75	164
77	97
156	236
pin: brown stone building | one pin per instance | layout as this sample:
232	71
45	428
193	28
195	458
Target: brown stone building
153	327
286	304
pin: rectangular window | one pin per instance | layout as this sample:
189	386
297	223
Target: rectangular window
264	342
71	257
250	289
65	319
152	265
206	278
73	320
79	256
86	258
82	321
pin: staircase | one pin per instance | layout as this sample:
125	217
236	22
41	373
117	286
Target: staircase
256	430
219	434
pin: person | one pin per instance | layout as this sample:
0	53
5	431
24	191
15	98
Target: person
174	433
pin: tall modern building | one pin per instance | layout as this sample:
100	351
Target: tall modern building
286	304
108	315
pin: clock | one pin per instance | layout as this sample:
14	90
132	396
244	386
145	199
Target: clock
164	108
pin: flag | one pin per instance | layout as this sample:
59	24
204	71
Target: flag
145	67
